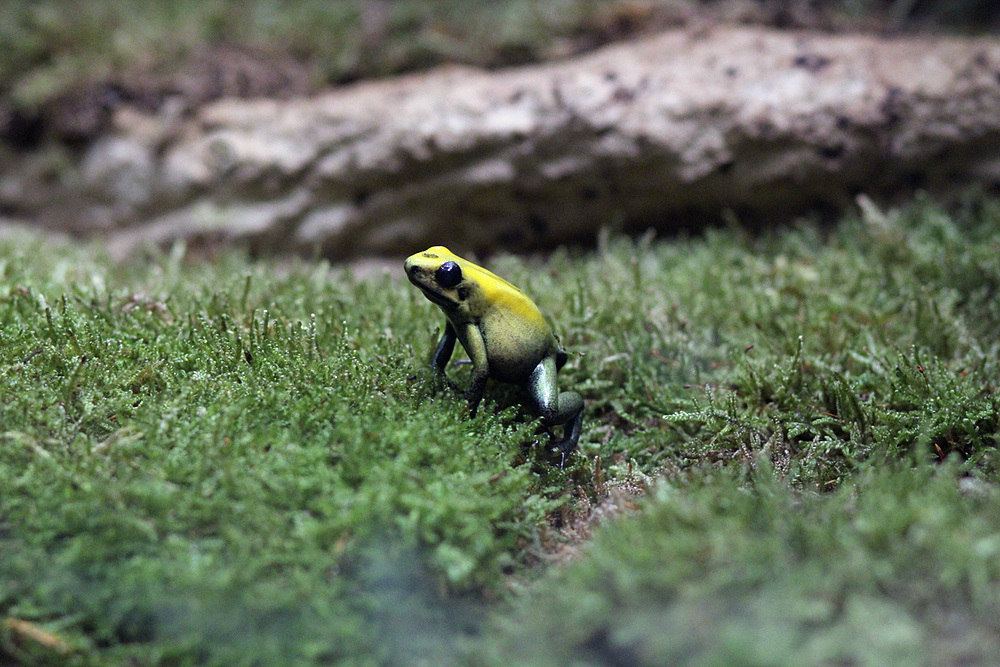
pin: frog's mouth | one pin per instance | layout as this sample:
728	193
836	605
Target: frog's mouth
439	299
432	296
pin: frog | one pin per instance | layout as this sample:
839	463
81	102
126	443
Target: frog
506	336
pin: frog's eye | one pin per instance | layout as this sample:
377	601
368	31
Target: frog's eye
448	275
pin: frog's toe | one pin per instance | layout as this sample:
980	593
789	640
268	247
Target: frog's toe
563	449
560	453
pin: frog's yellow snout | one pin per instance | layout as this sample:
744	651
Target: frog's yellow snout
412	268
411	274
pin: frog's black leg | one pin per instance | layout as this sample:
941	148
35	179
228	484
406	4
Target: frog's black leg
445	347
472	340
556	408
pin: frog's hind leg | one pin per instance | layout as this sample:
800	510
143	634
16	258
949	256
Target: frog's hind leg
555	407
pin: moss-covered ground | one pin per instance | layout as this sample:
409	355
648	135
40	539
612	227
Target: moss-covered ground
792	438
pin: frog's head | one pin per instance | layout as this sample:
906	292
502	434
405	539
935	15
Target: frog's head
438	273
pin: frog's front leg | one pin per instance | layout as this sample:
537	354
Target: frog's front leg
475	347
445	348
556	408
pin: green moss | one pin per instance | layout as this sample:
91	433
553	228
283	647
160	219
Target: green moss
898	568
207	455
236	462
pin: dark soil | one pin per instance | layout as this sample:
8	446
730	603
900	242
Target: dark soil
222	71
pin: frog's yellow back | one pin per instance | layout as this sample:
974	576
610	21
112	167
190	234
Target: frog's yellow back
497	294
483	277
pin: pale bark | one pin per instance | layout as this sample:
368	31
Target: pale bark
669	131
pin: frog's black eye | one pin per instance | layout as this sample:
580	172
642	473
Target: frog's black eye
448	275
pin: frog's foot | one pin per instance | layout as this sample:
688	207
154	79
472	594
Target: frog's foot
571	431
559	452
443	379
563	449
571	436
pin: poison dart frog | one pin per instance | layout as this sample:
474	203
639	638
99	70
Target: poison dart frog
503	332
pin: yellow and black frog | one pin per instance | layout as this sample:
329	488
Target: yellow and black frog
503	332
